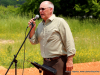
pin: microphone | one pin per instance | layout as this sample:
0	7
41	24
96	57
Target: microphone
36	17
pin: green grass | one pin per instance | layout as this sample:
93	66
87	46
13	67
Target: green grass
13	28
86	35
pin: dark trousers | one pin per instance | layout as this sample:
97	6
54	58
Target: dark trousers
59	65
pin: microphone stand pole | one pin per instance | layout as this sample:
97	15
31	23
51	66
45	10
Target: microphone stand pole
15	56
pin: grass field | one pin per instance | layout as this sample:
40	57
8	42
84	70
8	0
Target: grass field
86	35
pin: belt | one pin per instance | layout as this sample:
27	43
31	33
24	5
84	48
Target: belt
50	59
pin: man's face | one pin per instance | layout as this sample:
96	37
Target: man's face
45	11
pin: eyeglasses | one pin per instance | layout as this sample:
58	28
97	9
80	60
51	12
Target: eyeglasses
43	8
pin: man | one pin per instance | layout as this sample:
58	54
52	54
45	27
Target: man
56	40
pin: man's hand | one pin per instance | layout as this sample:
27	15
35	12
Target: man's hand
33	29
69	64
31	22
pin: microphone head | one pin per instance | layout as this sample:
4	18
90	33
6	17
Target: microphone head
36	17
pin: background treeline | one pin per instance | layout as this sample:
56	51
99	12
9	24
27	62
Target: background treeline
11	2
71	8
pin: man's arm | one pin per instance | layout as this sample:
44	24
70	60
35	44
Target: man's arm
68	41
69	64
32	31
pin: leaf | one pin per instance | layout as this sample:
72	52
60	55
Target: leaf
77	7
86	10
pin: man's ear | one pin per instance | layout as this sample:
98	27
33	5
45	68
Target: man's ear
51	9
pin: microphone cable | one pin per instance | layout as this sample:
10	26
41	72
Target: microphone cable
36	17
24	52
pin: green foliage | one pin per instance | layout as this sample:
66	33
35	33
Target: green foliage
66	7
86	37
88	7
5	12
30	6
69	8
33	6
85	34
96	8
77	7
11	2
9	49
13	29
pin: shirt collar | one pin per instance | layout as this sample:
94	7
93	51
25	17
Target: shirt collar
51	18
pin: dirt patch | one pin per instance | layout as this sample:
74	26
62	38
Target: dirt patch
2	68
90	68
6	41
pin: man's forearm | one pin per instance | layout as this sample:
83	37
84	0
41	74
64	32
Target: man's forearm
32	33
69	63
70	58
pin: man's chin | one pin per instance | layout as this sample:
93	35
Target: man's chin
42	17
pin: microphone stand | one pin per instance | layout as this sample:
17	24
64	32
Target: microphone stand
15	56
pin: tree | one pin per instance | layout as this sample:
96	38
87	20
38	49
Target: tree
96	8
88	7
11	2
33	6
66	7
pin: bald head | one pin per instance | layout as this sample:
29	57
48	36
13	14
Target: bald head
48	4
